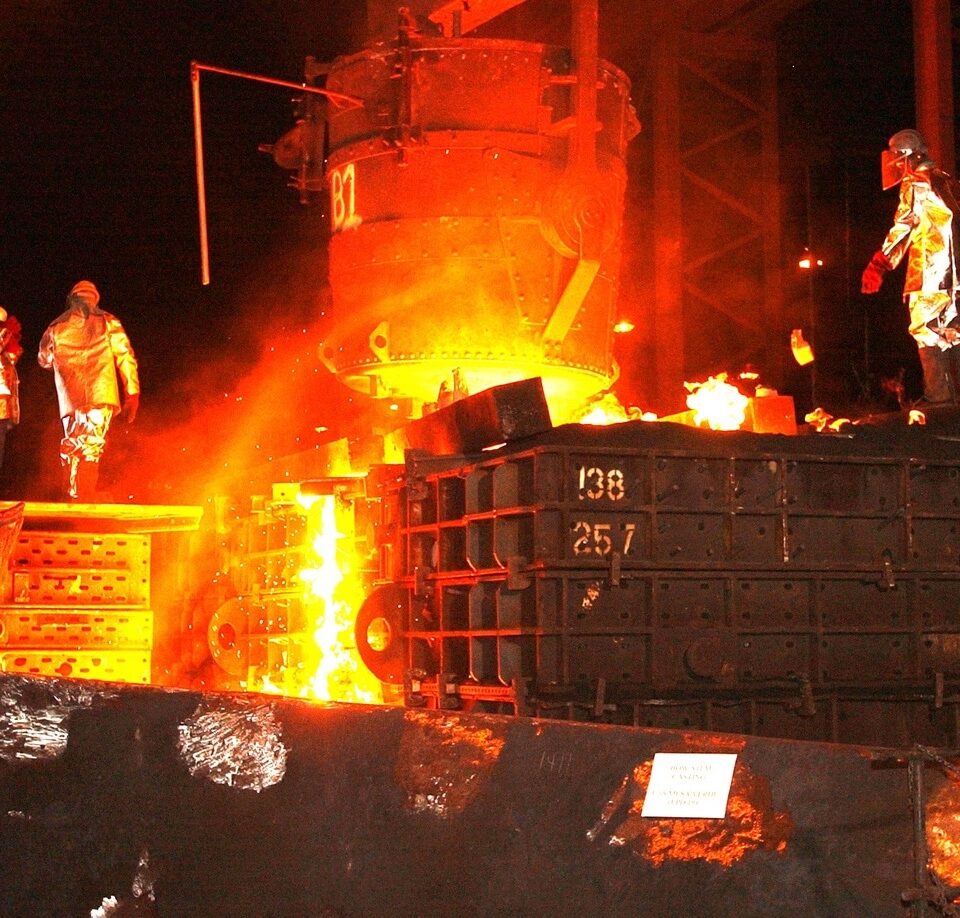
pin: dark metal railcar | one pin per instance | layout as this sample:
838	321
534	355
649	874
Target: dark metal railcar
649	574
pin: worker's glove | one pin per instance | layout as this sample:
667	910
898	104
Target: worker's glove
873	273
130	407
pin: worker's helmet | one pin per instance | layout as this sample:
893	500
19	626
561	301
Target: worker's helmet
86	291
906	150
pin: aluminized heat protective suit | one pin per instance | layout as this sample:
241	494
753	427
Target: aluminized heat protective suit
88	349
923	226
83	351
925	232
10	351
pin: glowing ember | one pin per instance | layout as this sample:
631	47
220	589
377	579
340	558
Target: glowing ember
716	404
943	832
821	421
607	410
802	350
332	594
751	823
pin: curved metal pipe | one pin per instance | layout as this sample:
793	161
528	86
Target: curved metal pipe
341	100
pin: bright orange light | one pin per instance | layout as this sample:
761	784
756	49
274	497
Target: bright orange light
623	327
716	404
943	832
332	595
802	350
601	412
752	823
808	261
599	416
818	419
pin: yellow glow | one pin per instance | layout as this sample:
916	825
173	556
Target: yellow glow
821	421
332	594
566	387
623	327
818	419
943	833
599	416
802	350
606	410
716	404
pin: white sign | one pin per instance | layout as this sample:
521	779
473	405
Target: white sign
689	784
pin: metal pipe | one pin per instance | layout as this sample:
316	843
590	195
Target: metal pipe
342	100
585	38
201	189
335	97
921	855
933	72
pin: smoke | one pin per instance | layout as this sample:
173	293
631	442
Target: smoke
245	392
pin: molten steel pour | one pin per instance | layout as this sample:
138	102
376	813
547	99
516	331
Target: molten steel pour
332	594
332	590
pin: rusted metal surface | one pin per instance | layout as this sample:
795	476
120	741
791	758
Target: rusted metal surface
647	574
451	17
343	810
732	17
489	418
476	205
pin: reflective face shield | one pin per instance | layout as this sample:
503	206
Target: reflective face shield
893	167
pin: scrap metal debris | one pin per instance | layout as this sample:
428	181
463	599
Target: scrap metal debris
234	742
35	718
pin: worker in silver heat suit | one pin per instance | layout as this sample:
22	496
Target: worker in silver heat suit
88	349
926	229
10	351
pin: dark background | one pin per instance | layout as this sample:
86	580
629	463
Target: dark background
97	166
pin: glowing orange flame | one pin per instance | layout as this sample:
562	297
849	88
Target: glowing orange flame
943	832
821	421
751	823
332	596
716	404
802	350
606	410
